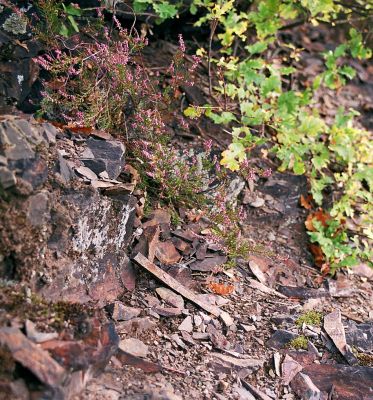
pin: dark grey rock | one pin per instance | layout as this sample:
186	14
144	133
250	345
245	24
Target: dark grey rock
65	168
108	154
7	178
49	133
280	339
38	210
360	335
34	171
97	166
14	146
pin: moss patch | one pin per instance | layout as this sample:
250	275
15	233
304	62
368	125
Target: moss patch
299	343
16	304
313	318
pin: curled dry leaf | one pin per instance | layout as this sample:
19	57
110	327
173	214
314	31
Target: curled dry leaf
305	202
135	176
220	288
318	255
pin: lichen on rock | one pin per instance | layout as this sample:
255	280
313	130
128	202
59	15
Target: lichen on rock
16	24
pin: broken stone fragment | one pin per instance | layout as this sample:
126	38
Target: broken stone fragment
32	357
360	335
108	156
170	297
14	143
136	325
168	311
186	325
134	347
334	328
305	388
86	173
208	264
36	336
38	209
225	363
7	178
166	253
120	312
290	368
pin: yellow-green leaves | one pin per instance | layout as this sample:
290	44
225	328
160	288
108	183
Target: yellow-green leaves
233	156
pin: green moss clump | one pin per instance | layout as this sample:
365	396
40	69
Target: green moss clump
35	308
299	343
313	318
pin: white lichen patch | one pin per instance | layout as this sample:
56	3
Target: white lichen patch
20	79
16	24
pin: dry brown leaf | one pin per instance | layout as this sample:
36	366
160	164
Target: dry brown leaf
318	215
135	176
317	254
305	202
221	288
85	130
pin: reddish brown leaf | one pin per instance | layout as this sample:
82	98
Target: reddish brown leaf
305	202
221	288
318	215
317	254
85	130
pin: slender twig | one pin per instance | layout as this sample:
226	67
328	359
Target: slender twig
213	25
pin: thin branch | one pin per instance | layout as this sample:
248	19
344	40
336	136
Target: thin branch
214	24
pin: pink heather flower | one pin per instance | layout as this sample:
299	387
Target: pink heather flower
251	174
207	145
267	173
181	44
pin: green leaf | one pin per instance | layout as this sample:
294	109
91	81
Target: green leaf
224	118
271	85
71	10
233	156
165	10
193	112
257	47
63	30
299	168
73	23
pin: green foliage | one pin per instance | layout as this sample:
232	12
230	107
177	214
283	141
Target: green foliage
335	156
299	343
58	18
313	318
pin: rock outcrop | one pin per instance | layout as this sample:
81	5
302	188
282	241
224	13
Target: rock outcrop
58	232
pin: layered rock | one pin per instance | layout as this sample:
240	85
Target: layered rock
59	233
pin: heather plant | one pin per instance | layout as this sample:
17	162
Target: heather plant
175	178
99	85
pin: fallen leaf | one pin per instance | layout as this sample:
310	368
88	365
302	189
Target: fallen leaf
318	215
305	202
135	176
85	130
317	253
220	288
24	45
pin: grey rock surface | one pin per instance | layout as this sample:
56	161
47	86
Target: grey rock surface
61	234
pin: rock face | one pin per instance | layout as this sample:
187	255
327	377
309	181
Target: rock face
59	232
